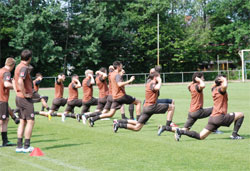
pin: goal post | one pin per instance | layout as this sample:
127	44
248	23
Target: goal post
244	61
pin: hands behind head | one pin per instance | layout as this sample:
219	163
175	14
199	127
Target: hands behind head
222	79
158	79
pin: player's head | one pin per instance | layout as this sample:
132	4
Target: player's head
75	76
10	62
39	75
62	76
118	65
111	68
26	55
217	79
88	72
199	75
158	68
153	75
104	70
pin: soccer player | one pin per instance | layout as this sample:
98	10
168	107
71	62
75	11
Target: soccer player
23	84
36	96
5	86
150	107
101	82
73	100
119	95
58	101
219	116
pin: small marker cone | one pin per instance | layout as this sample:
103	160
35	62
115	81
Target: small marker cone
36	152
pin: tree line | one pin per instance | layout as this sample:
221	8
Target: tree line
93	33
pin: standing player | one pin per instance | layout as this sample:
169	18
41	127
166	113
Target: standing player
36	96
118	94
219	116
5	86
58	101
23	84
73	100
150	107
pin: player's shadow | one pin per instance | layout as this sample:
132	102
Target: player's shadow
46	140
62	146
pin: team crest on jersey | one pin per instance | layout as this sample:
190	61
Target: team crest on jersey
32	115
8	78
22	74
4	116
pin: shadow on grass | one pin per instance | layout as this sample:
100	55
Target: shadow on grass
62	146
54	140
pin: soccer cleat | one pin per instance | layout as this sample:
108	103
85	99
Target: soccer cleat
91	122
173	124
19	150
177	134
63	117
28	150
84	119
236	137
78	117
17	121
218	132
160	130
49	117
8	144
115	126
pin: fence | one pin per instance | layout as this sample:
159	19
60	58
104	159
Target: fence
178	77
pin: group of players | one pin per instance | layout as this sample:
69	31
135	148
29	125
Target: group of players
111	98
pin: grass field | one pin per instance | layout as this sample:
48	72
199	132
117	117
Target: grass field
74	146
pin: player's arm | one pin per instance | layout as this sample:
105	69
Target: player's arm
104	75
223	84
158	84
92	80
201	83
77	83
121	83
7	80
59	79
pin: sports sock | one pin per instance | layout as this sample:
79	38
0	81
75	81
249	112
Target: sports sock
93	114
122	125
73	115
131	111
123	116
123	121
168	123
237	125
42	109
26	143
53	114
48	108
137	117
4	137
191	134
96	118
168	128
19	142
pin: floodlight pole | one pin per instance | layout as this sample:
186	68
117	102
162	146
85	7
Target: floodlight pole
158	43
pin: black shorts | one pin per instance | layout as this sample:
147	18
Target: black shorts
26	108
57	103
4	110
86	105
148	111
36	97
101	103
72	104
126	99
108	103
199	114
214	122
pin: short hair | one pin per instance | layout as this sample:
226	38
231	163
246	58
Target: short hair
116	64
26	55
102	69
61	74
10	62
88	71
197	74
38	74
153	74
111	68
217	81
158	68
73	76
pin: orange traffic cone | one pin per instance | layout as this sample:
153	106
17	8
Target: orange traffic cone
36	152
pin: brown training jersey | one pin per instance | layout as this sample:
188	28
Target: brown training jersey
220	101
22	72
73	92
4	92
151	95
36	86
110	85
117	92
59	87
102	86
87	89
196	97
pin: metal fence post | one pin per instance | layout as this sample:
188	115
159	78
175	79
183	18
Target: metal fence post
182	77
163	77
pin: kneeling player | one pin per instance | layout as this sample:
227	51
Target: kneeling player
219	116
150	107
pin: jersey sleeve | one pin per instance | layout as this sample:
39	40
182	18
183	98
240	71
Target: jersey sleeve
7	76
197	88
118	78
23	72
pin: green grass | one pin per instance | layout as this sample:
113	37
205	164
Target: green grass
74	146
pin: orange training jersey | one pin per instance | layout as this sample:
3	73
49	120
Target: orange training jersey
220	101
4	92
151	95
196	97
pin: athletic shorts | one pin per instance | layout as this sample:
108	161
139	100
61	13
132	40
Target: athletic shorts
36	97
101	103
148	111
4	110
57	103
72	104
86	105
214	122
26	108
199	114
108	103
126	99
